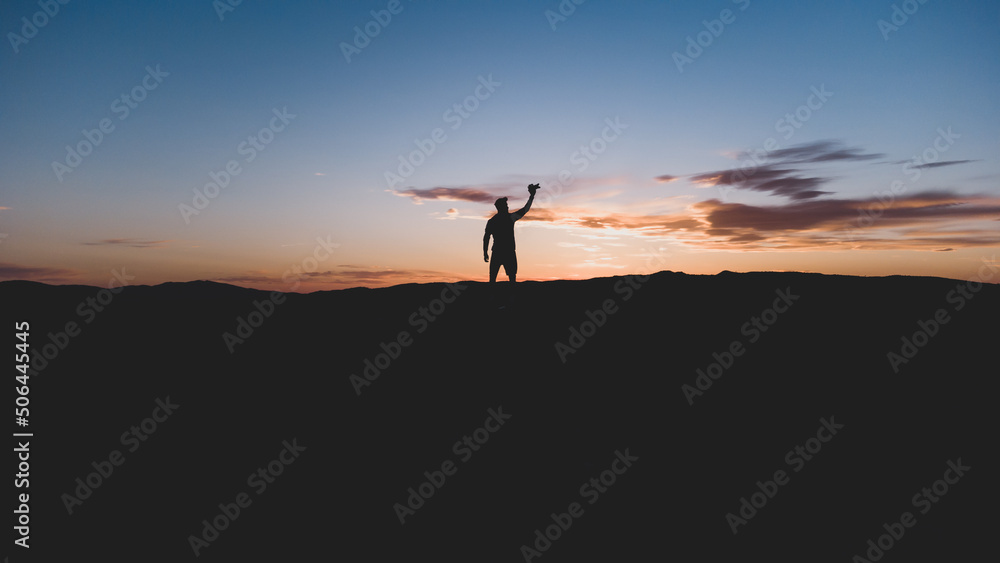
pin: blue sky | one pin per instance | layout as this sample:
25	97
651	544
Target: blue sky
220	80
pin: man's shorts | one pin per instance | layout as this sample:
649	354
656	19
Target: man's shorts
507	259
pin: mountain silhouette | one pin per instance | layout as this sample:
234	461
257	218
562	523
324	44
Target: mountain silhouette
380	386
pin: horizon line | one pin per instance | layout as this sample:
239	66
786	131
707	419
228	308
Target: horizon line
249	287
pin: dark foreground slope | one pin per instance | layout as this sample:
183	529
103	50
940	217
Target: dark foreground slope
817	360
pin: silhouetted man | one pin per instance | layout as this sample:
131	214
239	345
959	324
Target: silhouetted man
501	226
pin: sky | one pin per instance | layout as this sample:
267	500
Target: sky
304	146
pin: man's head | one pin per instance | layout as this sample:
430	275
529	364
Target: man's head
501	204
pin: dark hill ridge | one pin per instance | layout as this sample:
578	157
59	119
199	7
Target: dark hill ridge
820	354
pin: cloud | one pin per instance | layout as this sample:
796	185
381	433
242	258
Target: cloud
666	178
515	187
584	247
793	187
597	264
821	151
249	277
837	213
133	242
773	172
342	276
942	163
916	221
543	214
380	277
447	194
588	219
810	219
10	271
766	178
263	278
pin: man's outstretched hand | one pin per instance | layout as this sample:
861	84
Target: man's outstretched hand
532	188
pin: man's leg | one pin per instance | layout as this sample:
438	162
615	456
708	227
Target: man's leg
494	270
511	268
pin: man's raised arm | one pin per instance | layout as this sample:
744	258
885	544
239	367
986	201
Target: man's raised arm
520	212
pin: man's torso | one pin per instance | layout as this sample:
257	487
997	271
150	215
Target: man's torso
502	229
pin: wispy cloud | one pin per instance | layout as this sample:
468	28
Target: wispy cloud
914	221
821	151
943	163
592	219
767	178
340	277
133	242
516	189
842	213
447	194
10	271
776	172
251	277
